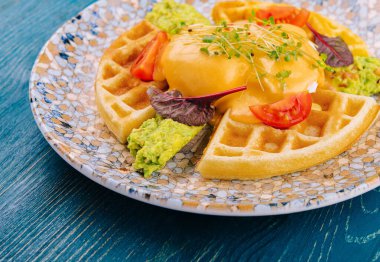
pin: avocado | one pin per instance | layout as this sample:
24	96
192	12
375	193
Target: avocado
360	78
171	16
157	141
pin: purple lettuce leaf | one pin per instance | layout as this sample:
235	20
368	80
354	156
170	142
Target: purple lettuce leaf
192	111
337	52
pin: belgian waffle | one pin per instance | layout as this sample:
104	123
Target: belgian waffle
253	151
121	98
232	11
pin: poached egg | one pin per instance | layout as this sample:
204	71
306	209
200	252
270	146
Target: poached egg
195	73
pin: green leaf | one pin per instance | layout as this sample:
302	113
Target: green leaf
204	50
271	20
208	39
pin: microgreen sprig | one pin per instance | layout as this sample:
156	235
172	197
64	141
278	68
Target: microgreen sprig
248	39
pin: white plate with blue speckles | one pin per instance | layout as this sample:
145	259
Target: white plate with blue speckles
62	100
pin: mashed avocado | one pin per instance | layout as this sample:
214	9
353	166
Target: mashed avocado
157	141
171	16
360	78
138	136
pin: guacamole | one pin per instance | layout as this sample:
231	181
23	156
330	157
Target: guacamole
171	16
157	141
137	138
360	78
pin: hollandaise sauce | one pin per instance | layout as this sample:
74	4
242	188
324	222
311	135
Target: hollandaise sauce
273	61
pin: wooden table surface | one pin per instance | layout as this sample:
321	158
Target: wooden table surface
50	211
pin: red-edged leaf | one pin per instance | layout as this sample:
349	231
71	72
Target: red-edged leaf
208	99
337	51
192	111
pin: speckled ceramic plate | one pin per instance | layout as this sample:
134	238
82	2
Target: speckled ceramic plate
62	100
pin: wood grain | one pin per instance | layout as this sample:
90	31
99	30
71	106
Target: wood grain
48	211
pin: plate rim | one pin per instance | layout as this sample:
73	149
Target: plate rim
138	193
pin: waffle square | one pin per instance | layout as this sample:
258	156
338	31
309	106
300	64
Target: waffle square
253	151
121	98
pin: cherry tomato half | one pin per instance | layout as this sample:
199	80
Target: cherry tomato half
143	67
284	15
286	112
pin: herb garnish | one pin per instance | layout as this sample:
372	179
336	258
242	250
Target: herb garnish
248	39
335	50
281	76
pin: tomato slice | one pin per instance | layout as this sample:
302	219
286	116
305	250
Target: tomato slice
143	67
301	18
286	112
284	14
263	14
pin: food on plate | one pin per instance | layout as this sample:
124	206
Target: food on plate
143	67
260	151
267	77
197	73
157	140
331	28
121	99
233	11
286	112
171	16
360	78
193	111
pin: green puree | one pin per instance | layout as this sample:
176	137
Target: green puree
156	141
171	16
138	136
360	78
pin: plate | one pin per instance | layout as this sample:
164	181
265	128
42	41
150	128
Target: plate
62	100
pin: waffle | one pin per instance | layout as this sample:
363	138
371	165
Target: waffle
121	99
233	11
253	151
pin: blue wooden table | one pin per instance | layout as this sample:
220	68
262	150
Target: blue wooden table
49	211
